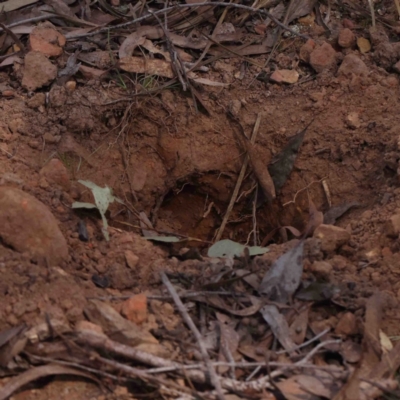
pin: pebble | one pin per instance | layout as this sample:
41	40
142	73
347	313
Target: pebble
26	224
131	259
392	226
364	45
47	41
347	325
332	237
38	71
56	172
306	50
322	57
321	269
346	38
135	308
289	76
353	120
352	64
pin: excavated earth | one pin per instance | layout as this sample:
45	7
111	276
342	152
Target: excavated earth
182	165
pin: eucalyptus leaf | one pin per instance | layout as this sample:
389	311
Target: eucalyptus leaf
228	248
102	198
165	239
79	204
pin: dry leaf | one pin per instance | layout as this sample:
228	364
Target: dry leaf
141	65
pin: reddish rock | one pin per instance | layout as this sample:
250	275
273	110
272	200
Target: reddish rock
38	71
392	226
285	76
55	171
27	225
135	309
353	65
332	237
347	325
47	41
306	50
346	38
322	57
131	259
321	269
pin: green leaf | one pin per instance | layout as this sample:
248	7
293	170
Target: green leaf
78	204
229	248
102	198
165	239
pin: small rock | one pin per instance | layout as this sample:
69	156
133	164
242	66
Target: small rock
135	309
47	41
364	45
8	93
38	71
353	65
306	50
392	226
353	120
285	76
50	138
347	325
70	86
332	237
235	107
131	259
37	100
346	38
55	171
322	57
321	269
117	327
26	224
88	326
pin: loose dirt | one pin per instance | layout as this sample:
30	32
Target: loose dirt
182	165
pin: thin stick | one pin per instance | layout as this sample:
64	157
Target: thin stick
238	182
177	6
178	302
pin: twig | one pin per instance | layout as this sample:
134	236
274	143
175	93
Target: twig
315	350
13	36
178	302
177	6
302	190
238	182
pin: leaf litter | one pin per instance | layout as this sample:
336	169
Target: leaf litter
254	323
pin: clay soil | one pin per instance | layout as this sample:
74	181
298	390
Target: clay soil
181	163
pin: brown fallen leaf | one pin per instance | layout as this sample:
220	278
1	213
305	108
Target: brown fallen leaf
39	372
141	65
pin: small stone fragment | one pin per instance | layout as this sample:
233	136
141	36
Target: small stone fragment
321	269
135	309
364	45
332	237
285	76
347	325
55	171
346	38
131	259
353	120
306	50
235	107
70	86
353	65
47	41
392	226
322	57
27	225
38	71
